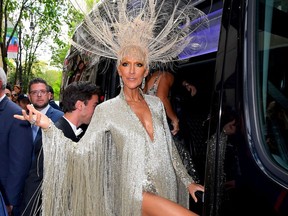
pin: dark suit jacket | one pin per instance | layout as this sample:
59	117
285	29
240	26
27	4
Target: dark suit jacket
54	105
54	115
32	190
64	125
16	145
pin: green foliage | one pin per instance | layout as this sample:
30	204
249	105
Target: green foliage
53	78
59	52
90	4
60	48
11	75
46	19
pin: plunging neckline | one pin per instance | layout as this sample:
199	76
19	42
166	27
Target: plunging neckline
152	139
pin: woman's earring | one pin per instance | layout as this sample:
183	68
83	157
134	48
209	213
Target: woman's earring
143	83
121	82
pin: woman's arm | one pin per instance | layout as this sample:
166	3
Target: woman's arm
165	83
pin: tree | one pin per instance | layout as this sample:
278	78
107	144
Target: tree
10	11
60	46
46	19
36	22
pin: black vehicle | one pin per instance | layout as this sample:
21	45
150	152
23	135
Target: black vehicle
246	171
237	126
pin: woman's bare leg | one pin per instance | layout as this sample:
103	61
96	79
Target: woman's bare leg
154	205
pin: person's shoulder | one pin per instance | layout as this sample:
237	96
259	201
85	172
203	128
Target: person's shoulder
168	77
167	74
54	114
9	110
56	111
59	121
108	103
62	123
54	105
11	107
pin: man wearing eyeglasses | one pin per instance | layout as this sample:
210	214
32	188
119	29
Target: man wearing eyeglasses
39	96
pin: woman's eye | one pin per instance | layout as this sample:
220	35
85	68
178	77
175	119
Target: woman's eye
139	65
124	64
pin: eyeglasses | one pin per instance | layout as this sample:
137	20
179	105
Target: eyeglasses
38	92
15	95
8	94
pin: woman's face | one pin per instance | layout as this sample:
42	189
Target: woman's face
132	72
14	96
17	89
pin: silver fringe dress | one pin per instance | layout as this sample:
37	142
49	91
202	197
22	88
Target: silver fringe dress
106	172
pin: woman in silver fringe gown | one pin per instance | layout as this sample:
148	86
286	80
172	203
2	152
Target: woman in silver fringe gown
127	162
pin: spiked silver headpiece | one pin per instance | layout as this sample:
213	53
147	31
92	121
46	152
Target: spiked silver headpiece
161	29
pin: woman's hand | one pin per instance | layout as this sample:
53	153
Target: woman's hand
34	117
190	88
175	125
230	128
193	188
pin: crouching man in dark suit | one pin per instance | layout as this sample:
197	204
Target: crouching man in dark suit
79	102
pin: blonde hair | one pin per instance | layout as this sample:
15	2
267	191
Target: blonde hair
133	51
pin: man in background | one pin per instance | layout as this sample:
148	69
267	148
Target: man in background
51	101
16	146
39	96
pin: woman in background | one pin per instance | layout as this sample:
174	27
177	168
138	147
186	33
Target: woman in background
159	83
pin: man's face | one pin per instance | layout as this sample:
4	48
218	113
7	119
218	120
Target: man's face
88	110
39	96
